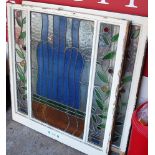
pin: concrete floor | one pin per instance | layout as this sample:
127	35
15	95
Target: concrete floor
21	140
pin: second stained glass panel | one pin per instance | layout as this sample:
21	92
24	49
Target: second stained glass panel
107	47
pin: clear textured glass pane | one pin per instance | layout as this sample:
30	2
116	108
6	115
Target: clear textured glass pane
126	83
107	47
20	59
61	49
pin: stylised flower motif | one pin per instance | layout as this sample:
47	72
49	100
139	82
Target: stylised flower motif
105	89
18	40
106	29
18	14
110	70
24	47
122	90
22	63
17	33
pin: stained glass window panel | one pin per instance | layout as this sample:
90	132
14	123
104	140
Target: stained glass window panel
126	83
107	47
20	59
61	49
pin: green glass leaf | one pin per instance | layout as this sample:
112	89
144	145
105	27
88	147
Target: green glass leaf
24	20
117	133
19	69
98	94
102	116
25	68
108	92
124	103
106	40
102	77
98	127
21	76
105	109
135	34
24	96
20	54
94	118
22	35
19	22
109	55
99	104
115	38
118	123
93	109
115	138
20	73
98	62
101	126
127	79
24	87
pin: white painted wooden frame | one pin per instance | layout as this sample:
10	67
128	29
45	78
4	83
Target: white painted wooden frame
135	20
79	144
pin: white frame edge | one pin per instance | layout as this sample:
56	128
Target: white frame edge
91	78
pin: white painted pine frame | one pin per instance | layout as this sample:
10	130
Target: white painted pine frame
135	20
81	145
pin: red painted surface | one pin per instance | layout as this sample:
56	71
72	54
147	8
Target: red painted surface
18	1
7	23
138	144
114	5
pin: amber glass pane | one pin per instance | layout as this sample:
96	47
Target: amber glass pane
61	50
107	47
